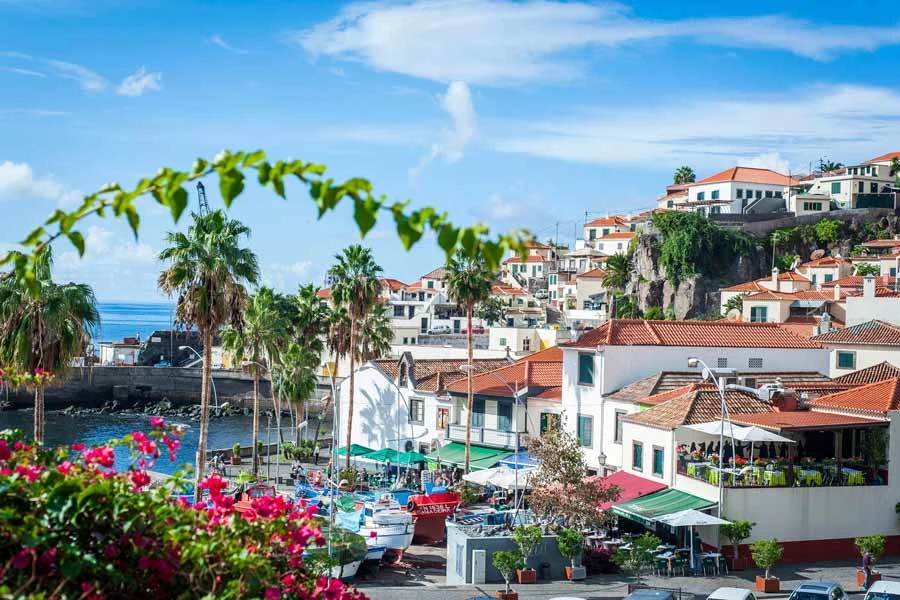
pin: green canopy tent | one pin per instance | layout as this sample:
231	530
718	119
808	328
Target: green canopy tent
355	450
480	457
383	455
646	510
408	458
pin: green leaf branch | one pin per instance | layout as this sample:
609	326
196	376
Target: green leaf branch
167	188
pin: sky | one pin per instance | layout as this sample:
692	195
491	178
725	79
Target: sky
517	114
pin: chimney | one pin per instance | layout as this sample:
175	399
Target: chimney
775	279
837	292
869	286
824	325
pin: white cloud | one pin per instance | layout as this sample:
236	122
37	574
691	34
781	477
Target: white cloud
768	160
285	277
500	208
515	207
452	141
506	41
847	121
27	72
18	182
139	83
219	41
87	79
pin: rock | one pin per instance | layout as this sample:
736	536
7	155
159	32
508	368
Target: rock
690	298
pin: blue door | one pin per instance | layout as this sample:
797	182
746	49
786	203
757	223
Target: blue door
504	416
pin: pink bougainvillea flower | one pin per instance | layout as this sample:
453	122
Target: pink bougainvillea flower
5	452
157	422
140	479
78	446
22	559
64	467
273	593
104	456
18	445
87	587
32	473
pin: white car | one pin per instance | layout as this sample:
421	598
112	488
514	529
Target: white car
884	590
541	294
732	593
440	330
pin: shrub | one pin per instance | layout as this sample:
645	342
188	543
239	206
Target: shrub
864	269
654	313
634	559
827	230
507	561
734	302
468	495
737	532
528	538
690	243
72	527
873	544
236	449
765	552
570	543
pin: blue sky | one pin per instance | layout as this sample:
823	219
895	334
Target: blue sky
519	114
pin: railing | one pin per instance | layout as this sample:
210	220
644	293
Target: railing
481	435
784	474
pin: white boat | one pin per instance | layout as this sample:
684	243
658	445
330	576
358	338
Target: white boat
346	570
375	550
392	528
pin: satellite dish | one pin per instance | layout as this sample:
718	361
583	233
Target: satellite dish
795	264
733	315
817	254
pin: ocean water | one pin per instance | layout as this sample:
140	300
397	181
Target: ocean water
119	320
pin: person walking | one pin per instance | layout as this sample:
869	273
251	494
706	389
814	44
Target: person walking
316	451
867	569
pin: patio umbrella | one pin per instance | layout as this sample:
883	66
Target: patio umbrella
355	450
691	518
500	477
755	434
411	457
717	428
383	455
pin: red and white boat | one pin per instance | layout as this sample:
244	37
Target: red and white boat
431	512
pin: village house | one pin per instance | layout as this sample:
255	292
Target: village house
861	346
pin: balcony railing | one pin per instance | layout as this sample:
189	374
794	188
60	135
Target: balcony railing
827	473
484	436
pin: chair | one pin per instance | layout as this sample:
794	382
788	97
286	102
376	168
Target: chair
660	566
678	563
709	565
722	565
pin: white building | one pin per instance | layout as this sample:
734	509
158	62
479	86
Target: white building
738	190
600	228
615	243
590	293
861	346
856	186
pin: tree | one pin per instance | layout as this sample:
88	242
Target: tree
873	544
638	555
468	282
690	243
618	272
735	302
826	166
866	269
294	379
895	167
491	311
528	538
684	174
507	562
40	335
786	261
828	230
765	552
356	287
208	270
654	313
737	532
561	488
262	325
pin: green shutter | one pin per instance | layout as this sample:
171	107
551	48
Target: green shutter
658	459
586	369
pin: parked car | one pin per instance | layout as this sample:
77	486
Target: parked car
163	364
732	593
541	294
819	590
884	590
440	330
475	329
651	594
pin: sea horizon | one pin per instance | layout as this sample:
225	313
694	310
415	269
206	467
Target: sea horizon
122	319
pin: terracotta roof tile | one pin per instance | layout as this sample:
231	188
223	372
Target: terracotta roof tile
879	333
507	290
426	370
880	372
621	235
394	284
856	281
726	334
747	175
806	325
696	403
884	157
881	244
610	221
438	273
531	258
537	372
324	293
536	245
826	261
747	286
592	274
800	419
873	399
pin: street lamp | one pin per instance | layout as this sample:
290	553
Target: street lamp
465	369
255	454
211	380
694	362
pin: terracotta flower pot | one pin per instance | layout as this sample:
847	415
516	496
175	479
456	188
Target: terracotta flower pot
235	460
861	577
771	585
526	575
503	595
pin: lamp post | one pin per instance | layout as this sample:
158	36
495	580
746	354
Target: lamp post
211	378
255	454
694	362
515	391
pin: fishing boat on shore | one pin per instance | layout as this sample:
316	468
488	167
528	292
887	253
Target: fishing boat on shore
347	551
431	512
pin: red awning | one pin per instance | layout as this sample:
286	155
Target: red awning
630	486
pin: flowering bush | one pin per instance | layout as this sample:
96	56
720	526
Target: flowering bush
72	527
15	378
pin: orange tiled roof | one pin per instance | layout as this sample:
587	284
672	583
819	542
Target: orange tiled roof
592	274
856	281
880	292
747	175
726	334
438	273
666	381
805	325
393	284
611	221
507	290
747	286
793	276
324	293
878	333
538	372
800	419
872	399
881	244
532	258
536	245
880	372
621	235
798	295
826	261
434	374
696	403
884	157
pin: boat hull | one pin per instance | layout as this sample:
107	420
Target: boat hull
394	537
431	512
346	571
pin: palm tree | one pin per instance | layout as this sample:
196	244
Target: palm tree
209	271
468	282
337	340
356	288
826	166
895	166
261	325
44	331
618	272
375	337
294	378
684	174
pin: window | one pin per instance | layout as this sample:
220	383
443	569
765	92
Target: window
893	272
714	195
828	277
592	234
637	456
526	344
416	410
503	343
835	187
431	284
721	363
779	195
755	363
658	460
405	340
504	416
701	196
873	188
477	413
861	187
619	415
813	279
553	280
874	170
412	340
398	311
769	194
585	431
549	422
619	246
670	204
715	210
812	206
846	360
759	314
456	325
758	194
443	418
739	193
586	369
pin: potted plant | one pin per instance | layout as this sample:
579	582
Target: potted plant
236	454
766	552
874	545
507	562
570	543
737	532
528	538
637	556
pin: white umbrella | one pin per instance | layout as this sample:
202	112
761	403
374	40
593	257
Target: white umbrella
500	477
717	428
755	434
691	518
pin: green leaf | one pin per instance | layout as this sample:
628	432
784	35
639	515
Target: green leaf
231	184
448	237
178	201
134	219
254	157
77	240
33	237
364	212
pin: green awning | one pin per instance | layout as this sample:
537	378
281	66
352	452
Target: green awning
411	457
646	509
383	455
480	457
355	450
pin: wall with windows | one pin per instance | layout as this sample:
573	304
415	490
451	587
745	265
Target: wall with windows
737	193
767	311
847	358
650	440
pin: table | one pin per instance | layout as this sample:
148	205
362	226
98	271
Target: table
854	477
774	478
697	469
713	475
810	476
